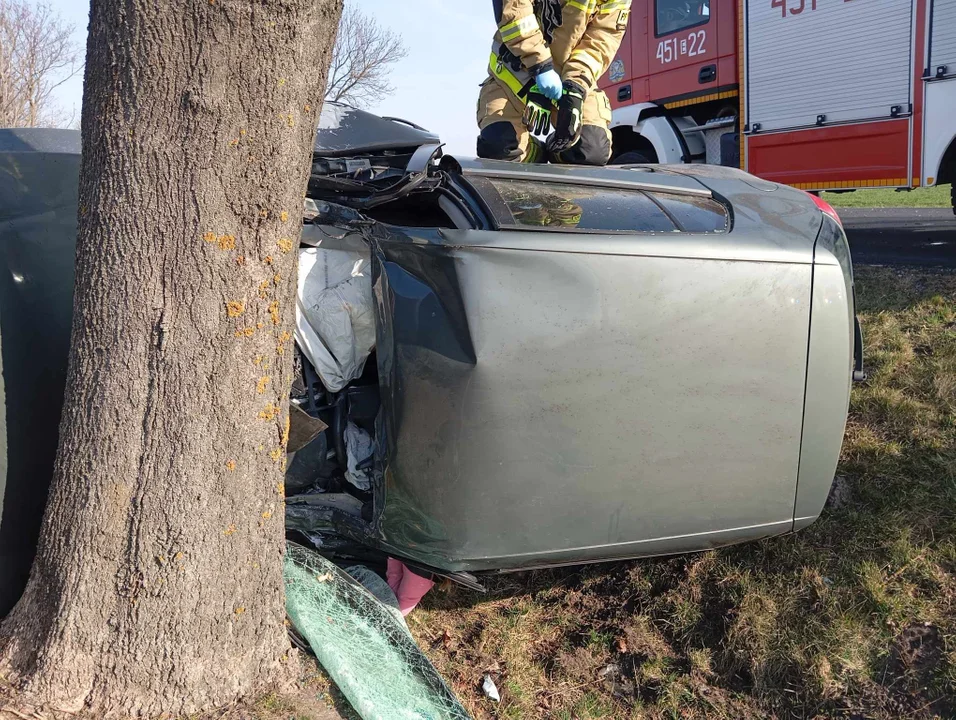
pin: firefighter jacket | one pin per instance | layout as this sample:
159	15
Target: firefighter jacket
578	38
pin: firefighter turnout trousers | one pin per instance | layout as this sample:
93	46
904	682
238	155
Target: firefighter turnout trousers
577	39
503	135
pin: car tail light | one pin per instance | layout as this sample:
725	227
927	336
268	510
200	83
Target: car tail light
826	208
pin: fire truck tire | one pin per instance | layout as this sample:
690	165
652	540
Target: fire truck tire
634	157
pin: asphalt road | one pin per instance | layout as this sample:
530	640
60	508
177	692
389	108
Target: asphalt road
901	236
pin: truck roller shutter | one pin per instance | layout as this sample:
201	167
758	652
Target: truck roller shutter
943	47
841	62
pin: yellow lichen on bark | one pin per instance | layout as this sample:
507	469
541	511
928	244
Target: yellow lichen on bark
276	454
229	530
262	384
285	245
246	332
225	242
270	412
284	441
234	308
264	289
274	312
231	466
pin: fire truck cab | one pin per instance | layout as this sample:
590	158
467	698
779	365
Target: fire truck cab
818	94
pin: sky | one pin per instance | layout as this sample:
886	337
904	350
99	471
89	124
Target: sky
436	85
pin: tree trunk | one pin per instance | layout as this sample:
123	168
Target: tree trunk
157	586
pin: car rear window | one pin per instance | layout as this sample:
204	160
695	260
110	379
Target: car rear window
531	204
693	213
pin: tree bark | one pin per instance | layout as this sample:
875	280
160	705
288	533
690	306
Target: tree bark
157	587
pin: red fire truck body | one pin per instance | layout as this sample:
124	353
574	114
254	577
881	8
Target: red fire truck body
819	94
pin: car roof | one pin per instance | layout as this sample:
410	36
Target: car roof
641	177
775	221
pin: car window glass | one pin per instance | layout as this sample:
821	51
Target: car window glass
694	214
674	15
559	206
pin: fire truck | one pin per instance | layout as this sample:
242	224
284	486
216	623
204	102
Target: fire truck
818	94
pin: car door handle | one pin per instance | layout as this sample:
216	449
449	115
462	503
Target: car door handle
707	74
624	93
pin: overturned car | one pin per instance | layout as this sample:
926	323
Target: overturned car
502	366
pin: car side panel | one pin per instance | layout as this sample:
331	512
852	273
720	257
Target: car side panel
548	407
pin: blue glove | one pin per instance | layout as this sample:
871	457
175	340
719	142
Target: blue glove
549	83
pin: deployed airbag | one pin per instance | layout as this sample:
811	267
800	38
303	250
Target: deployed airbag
335	321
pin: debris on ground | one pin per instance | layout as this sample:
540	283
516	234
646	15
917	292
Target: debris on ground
490	689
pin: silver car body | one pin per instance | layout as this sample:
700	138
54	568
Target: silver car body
553	395
572	397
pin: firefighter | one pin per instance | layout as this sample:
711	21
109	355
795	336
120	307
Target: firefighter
545	63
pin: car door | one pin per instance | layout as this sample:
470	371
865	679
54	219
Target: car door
682	48
602	373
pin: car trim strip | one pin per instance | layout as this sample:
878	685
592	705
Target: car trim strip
587	181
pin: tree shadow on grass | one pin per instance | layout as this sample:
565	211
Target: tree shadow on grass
882	289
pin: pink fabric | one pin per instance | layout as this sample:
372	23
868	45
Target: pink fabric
408	587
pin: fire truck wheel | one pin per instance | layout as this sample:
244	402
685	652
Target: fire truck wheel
634	157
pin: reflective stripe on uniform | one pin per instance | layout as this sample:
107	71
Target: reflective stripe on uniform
521	28
595	65
609	6
535	152
503	73
586	6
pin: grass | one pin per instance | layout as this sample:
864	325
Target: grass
853	617
934	197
